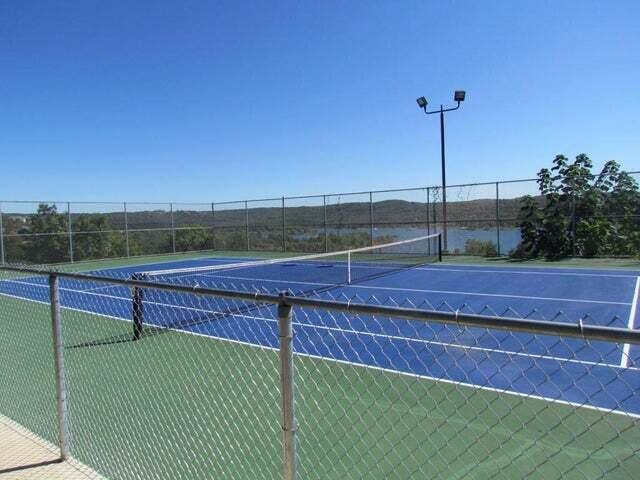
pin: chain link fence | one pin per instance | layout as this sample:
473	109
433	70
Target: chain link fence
482	219
230	382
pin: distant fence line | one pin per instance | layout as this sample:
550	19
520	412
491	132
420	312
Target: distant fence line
481	219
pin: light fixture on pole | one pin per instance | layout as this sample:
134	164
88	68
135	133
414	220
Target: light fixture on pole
458	96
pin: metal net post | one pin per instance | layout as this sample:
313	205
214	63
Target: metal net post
287	390
61	393
138	311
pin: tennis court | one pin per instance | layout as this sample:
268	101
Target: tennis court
568	371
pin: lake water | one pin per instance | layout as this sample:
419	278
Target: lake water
457	237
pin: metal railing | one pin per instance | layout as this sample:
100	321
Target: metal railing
365	390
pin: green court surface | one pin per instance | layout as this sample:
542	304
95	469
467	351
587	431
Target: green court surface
177	405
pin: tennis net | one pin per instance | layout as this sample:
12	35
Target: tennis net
300	275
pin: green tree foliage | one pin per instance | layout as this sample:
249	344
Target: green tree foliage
48	241
580	213
192	238
93	238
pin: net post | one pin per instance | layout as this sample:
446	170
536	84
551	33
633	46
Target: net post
1	238
58	348
289	427
70	232
137	309
498	217
349	268
126	228
173	229
439	247
284	227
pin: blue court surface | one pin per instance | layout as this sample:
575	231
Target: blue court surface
596	375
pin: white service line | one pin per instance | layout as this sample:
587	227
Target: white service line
624	361
418	290
371	367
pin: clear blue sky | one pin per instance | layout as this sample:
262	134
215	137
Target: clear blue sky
202	100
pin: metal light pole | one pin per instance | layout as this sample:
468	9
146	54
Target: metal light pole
458	97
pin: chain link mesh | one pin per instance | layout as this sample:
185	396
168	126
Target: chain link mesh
199	394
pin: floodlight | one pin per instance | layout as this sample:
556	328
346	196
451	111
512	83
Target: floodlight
422	102
458	96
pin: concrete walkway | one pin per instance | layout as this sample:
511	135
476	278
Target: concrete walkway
24	455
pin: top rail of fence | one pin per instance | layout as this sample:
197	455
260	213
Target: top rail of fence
538	327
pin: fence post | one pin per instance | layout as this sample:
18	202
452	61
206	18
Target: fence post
70	231
498	216
213	225
173	229
326	238
284	227
371	218
61	392
1	238
428	219
126	229
435	214
287	390
573	225
246	224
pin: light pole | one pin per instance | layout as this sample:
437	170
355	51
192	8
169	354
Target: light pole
458	97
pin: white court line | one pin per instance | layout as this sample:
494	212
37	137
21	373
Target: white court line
624	361
418	290
481	269
95	288
363	365
341	330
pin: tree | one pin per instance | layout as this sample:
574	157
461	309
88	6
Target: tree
193	238
582	213
48	240
93	238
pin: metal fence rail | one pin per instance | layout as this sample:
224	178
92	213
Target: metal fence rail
481	219
271	385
